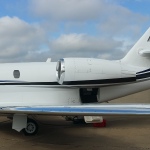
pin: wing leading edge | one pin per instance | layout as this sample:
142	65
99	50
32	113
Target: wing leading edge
86	110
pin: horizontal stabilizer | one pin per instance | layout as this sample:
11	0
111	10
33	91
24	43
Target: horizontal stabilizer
145	52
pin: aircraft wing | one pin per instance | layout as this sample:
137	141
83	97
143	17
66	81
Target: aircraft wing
86	110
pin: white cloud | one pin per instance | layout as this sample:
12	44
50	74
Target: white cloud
82	45
108	17
109	14
121	21
18	38
78	42
105	25
72	10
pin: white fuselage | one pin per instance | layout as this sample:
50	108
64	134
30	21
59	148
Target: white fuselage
37	84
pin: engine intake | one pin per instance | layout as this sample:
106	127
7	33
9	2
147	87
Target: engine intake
60	71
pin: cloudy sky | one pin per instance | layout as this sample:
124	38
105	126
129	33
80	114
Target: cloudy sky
33	30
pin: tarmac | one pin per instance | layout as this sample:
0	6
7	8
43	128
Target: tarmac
132	133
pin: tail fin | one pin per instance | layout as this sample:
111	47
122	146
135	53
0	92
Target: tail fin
139	55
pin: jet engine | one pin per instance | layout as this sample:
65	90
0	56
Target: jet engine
92	72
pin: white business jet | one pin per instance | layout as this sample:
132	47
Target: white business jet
74	86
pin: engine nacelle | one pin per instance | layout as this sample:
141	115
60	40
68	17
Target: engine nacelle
86	71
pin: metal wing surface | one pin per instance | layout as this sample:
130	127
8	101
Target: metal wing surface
86	110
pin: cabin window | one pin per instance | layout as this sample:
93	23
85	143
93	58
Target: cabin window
16	73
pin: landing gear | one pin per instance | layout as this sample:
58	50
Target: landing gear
32	127
75	119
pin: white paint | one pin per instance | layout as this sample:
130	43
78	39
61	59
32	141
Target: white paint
111	92
133	57
19	122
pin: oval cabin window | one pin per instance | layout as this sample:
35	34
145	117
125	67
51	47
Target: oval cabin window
16	73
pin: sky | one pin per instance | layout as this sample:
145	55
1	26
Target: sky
34	30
